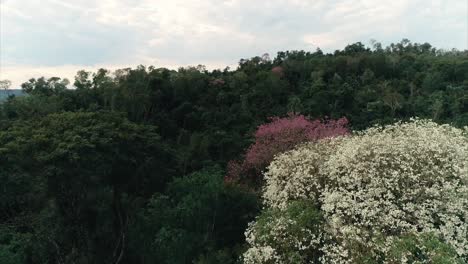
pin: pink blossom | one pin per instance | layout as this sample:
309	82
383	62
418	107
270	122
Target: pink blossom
278	70
217	81
280	135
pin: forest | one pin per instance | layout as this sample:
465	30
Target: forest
355	156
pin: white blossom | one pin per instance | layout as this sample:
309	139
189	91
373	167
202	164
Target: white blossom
405	178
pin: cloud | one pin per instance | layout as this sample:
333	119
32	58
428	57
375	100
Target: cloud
59	35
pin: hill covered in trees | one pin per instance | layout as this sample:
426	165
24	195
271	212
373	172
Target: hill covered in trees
151	165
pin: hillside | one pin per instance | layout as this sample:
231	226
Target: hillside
153	165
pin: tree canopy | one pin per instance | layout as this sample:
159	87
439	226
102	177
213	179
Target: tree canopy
129	166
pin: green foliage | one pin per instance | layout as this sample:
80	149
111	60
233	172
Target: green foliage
425	248
83	171
12	246
198	217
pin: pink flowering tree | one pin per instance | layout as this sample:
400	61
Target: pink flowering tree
277	136
278	70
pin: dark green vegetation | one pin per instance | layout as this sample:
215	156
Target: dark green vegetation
128	167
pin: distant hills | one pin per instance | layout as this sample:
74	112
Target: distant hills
5	93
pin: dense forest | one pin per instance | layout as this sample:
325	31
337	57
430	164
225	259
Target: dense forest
152	165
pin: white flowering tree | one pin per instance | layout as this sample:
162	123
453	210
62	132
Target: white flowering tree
397	194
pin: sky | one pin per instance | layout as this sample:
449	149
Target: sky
58	38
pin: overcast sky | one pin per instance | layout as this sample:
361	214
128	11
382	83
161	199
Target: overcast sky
58	38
